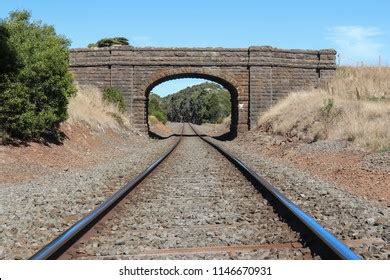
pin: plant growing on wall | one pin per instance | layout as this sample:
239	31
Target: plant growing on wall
108	42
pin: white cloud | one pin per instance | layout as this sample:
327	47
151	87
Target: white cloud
356	43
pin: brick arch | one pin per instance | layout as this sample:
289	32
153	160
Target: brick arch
172	74
223	79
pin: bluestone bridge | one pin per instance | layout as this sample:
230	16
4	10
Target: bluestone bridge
256	77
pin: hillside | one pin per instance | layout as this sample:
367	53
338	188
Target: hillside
203	103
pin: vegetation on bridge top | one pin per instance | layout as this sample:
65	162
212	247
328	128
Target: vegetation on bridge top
108	42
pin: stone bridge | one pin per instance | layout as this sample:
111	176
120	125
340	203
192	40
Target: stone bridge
256	77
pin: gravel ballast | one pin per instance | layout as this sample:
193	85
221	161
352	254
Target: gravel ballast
363	224
34	212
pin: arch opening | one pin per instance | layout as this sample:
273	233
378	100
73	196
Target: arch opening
232	89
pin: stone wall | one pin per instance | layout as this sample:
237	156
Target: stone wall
256	77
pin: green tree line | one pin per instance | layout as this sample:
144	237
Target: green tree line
203	103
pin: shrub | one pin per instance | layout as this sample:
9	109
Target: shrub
35	82
114	96
153	120
155	108
161	116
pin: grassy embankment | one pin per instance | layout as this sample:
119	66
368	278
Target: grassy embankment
354	105
88	107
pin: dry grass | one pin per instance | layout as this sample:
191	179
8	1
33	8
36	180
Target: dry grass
338	112
153	120
87	106
361	82
366	123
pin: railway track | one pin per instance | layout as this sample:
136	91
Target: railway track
196	202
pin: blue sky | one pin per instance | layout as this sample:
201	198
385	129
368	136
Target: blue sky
358	30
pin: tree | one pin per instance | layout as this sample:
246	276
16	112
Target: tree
212	113
35	82
206	102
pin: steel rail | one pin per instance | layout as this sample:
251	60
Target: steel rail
64	241
337	247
